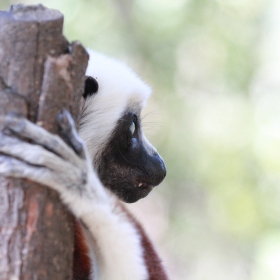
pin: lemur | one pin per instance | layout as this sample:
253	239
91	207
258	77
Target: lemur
107	161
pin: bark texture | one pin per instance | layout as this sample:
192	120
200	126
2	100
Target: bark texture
40	73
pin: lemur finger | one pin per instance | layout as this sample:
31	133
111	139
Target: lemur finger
39	135
69	133
32	153
11	167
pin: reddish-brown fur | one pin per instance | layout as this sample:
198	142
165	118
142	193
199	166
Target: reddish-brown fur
153	262
81	261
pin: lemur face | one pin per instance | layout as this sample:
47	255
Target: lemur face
110	125
129	166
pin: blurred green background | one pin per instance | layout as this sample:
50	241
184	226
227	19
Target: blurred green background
214	116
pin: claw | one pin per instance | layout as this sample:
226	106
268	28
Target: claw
69	132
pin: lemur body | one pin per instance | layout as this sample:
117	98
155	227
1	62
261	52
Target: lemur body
113	152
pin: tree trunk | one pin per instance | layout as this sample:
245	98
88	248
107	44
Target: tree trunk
40	73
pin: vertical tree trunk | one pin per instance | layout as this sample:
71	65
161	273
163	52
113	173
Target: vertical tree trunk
40	73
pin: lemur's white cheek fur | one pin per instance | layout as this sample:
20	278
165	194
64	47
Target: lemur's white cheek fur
118	87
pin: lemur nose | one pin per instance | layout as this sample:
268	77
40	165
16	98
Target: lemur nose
158	170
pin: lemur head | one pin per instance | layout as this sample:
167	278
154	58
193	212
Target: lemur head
110	125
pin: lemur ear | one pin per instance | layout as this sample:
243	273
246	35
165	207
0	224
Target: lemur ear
91	87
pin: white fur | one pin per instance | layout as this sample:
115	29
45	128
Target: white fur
119	89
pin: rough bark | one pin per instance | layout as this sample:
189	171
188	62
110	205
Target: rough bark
40	73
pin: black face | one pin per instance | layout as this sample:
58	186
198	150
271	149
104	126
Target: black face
127	168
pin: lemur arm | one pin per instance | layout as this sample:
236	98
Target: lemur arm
115	240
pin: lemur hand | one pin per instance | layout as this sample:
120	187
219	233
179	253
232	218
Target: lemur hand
48	159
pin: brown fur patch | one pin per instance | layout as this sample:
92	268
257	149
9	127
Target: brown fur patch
81	260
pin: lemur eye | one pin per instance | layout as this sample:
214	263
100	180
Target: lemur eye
132	128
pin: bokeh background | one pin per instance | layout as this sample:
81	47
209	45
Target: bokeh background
214	116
